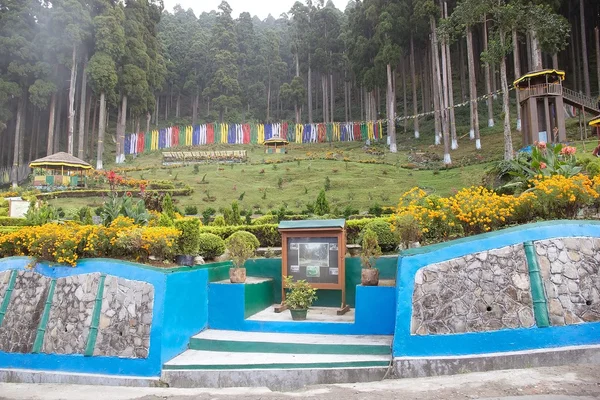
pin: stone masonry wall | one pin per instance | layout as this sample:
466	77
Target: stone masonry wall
24	312
71	314
125	319
486	291
569	269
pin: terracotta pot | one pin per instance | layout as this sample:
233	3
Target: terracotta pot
237	275
299	315
369	277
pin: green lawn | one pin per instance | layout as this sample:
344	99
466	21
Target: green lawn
353	181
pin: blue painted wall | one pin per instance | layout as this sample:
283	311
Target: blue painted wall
180	307
406	344
375	311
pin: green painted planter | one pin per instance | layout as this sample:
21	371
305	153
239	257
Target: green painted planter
299	315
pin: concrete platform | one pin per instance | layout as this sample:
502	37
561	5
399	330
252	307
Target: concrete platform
292	338
44	377
315	314
218	360
274	379
417	367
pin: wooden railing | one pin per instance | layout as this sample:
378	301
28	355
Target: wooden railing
580	99
541	90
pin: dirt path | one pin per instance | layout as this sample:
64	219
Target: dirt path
560	383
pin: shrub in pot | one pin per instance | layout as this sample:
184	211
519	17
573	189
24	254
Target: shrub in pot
211	246
386	237
189	240
249	238
239	251
370	252
299	297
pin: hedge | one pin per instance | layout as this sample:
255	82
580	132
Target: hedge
267	235
9	229
7	221
69	194
355	226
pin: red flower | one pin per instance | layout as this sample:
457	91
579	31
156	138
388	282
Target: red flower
541	145
128	194
543	165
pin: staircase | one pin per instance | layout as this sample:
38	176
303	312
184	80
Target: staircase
280	361
579	101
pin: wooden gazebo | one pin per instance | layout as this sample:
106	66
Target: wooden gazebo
276	145
60	170
541	102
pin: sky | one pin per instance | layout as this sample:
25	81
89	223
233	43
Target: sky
261	8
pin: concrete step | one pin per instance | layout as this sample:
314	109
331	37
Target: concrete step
196	368
258	342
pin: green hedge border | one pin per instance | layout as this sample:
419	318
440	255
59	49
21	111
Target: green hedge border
71	194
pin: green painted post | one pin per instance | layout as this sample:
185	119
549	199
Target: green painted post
6	300
93	335
41	331
540	306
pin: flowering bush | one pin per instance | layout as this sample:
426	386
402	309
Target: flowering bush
561	197
66	243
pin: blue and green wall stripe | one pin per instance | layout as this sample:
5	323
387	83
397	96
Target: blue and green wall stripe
93	335
41	330
8	294
540	304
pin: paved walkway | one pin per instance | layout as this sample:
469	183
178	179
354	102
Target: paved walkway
561	383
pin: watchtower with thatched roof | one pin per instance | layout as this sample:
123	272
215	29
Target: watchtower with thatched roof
60	170
542	106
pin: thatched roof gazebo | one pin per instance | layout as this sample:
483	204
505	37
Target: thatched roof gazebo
276	145
59	170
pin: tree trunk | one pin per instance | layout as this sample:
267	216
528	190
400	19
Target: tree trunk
488	83
195	107
310	111
156	112
597	32
473	107
71	120
555	61
461	64
82	104
178	106
166	107
37	139
414	85
508	146
405	103
86	125
269	100
446	111
437	112
50	143
121	134
391	110
452	119
584	51
517	66
58	125
17	150
90	146
101	129
536	52
345	96
148	118
331	98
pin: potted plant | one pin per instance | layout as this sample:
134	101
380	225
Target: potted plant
189	240
370	252
299	297
239	251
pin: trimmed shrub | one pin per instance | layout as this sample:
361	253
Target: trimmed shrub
247	237
188	243
191	210
267	235
388	240
210	245
6	221
266	219
355	226
219	221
